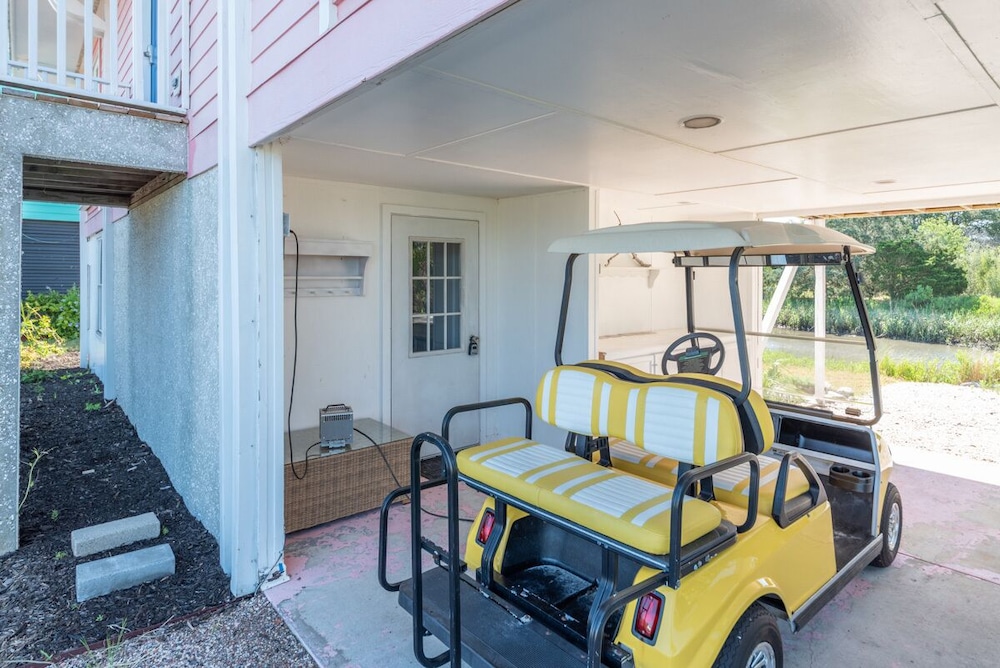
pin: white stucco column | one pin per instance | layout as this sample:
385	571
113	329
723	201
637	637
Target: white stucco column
250	465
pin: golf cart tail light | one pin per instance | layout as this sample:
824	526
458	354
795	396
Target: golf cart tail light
486	527
647	616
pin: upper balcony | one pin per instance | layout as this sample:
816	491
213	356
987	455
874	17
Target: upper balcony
130	52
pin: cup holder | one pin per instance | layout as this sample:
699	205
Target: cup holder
852	480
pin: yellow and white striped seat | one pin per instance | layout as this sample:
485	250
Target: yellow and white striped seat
731	486
692	424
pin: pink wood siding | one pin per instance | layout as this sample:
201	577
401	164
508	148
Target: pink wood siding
174	56
203	113
280	34
124	48
295	70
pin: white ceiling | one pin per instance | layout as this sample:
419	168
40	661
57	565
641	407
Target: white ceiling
828	106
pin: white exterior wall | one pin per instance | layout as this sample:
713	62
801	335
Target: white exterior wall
524	292
340	346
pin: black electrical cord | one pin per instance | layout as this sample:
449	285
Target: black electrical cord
295	362
396	480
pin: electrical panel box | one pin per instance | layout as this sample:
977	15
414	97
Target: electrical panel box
336	426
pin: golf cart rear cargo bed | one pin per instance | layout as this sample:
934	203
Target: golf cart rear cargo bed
491	635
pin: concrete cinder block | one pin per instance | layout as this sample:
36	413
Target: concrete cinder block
108	536
103	576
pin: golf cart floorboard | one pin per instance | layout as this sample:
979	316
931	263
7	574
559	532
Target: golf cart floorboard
491	635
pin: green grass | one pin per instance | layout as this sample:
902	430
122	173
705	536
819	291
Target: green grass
789	370
964	369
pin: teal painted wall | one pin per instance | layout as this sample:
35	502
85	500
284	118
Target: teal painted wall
69	213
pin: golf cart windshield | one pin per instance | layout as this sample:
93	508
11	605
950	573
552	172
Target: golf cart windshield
807	280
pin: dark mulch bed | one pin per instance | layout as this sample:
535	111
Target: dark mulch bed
95	469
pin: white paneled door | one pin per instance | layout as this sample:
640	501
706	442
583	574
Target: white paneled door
435	324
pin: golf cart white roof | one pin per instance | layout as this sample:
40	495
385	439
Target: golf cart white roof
702	238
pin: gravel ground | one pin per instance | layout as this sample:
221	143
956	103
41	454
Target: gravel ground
248	633
953	419
944	418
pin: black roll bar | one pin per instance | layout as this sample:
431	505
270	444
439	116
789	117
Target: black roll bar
468	408
738	326
866	329
564	307
418	544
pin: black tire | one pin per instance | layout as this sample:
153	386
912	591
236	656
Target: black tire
755	642
891	527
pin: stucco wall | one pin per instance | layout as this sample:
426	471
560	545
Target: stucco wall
61	131
166	308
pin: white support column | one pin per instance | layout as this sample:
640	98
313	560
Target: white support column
84	292
33	40
111	62
251	527
108	283
185	55
819	328
61	43
5	39
138	51
777	300
88	46
270	263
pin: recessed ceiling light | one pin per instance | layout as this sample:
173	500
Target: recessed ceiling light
701	122
884	182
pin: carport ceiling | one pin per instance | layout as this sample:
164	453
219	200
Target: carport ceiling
827	105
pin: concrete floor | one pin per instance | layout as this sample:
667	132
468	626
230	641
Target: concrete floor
938	605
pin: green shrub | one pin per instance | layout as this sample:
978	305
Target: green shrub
39	338
62	310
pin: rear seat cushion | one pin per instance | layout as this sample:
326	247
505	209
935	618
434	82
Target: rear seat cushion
626	508
731	486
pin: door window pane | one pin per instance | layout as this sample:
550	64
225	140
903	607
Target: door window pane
454	331
437	258
419	256
454	295
419	335
436	301
419	294
437	295
454	254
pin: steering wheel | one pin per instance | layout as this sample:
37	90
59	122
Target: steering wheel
696	358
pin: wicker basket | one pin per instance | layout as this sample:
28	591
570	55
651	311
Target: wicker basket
344	483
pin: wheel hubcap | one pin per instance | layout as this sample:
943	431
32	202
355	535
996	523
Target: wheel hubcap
892	531
762	656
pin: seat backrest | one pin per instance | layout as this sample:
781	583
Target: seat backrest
689	423
758	427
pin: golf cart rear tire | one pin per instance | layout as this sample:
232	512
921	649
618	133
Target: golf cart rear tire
757	629
890	526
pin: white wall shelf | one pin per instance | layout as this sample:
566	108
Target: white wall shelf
327	267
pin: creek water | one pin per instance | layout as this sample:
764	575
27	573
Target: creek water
892	348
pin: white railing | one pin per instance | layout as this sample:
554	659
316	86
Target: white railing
104	49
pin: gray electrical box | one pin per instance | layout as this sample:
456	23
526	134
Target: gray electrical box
336	426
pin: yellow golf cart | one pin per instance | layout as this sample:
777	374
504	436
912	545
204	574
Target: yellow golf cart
685	512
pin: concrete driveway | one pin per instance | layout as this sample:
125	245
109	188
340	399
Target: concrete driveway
938	604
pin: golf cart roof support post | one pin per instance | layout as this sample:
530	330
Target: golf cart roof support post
866	328
738	326
564	307
689	296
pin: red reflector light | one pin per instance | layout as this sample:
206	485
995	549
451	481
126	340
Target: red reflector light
486	527
647	616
